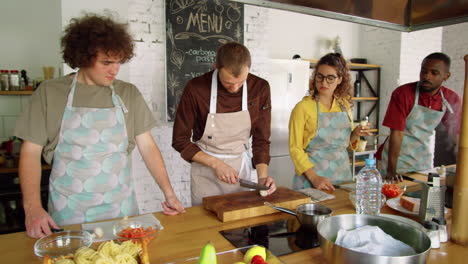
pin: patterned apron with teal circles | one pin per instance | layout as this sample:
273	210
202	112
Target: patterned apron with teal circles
415	154
91	172
328	149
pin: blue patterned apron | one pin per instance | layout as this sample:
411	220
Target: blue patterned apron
415	154
328	149
90	178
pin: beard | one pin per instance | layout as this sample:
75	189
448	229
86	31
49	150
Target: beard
428	89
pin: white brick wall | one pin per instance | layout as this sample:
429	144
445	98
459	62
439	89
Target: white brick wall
382	47
146	20
415	46
455	39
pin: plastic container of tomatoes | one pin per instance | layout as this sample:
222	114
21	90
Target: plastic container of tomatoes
392	190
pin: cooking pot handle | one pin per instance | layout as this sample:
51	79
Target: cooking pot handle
282	209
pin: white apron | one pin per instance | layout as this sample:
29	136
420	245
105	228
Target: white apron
226	137
90	178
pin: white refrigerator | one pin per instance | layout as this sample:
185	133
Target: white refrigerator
289	82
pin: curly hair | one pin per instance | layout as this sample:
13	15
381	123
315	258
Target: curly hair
86	36
336	60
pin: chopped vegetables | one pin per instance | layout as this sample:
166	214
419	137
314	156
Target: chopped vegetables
130	233
391	190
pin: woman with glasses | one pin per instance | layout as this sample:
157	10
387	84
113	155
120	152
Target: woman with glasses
321	127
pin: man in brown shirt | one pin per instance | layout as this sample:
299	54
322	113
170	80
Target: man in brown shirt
217	115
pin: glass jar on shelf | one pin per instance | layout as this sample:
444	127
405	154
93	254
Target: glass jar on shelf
4	80
14	80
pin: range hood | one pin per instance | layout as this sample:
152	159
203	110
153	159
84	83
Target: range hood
401	15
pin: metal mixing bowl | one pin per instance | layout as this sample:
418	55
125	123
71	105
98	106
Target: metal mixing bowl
414	237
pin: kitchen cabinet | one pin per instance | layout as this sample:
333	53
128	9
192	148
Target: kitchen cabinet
366	103
11	205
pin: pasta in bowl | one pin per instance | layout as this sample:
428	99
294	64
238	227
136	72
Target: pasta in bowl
108	252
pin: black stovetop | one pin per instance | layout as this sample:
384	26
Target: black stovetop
281	237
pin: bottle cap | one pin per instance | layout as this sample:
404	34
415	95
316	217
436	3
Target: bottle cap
439	220
370	161
429	225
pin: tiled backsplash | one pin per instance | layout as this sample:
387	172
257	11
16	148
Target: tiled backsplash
11	107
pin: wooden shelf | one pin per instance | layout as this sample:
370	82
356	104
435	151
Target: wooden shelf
16	92
365	98
358	163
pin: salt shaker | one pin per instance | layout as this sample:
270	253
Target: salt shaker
432	231
443	235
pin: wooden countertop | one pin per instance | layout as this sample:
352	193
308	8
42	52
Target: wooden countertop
184	235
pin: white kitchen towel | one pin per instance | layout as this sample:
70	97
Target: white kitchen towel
316	194
372	240
107	226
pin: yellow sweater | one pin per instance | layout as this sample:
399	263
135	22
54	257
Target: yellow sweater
303	127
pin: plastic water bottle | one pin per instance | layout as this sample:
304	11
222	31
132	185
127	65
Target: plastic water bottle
369	189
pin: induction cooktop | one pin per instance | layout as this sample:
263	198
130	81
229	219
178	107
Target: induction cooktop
281	237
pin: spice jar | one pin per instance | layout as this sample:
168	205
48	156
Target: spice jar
14	80
4	80
432	231
443	234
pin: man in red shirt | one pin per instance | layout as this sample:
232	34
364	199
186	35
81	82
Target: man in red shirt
414	111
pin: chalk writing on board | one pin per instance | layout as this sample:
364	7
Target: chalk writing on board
195	30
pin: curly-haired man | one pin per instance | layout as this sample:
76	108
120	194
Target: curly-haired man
86	124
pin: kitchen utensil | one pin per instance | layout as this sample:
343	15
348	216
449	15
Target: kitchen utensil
432	200
240	205
414	237
309	215
62	243
253	185
404	219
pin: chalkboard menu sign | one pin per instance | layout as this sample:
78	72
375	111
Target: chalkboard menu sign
195	30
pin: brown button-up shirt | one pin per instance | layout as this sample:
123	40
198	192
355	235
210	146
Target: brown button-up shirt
194	107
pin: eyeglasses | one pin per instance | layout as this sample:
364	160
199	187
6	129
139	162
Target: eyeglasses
330	78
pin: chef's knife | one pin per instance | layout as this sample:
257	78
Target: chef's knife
253	185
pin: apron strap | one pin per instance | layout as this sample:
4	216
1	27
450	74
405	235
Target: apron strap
116	100
214	93
342	107
445	103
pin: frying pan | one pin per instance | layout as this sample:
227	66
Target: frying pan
309	215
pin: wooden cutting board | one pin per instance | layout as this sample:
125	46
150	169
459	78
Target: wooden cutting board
240	205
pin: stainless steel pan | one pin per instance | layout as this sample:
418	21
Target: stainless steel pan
309	215
413	236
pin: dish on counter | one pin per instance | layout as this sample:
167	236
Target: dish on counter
394	203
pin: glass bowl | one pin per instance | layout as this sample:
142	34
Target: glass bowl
128	229
352	198
62	243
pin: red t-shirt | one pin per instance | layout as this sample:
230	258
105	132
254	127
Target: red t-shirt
402	102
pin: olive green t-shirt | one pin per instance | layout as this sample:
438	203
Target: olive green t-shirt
40	122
